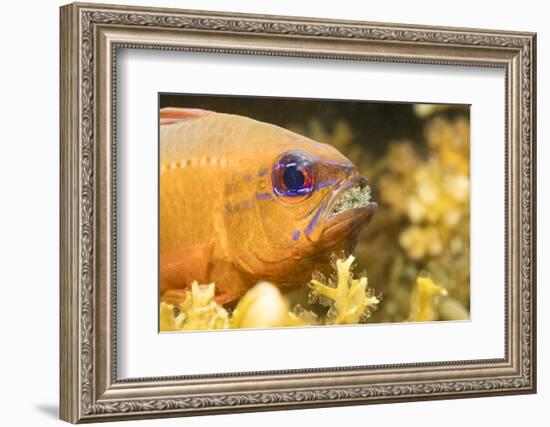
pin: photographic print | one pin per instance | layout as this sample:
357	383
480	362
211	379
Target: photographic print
280	212
330	187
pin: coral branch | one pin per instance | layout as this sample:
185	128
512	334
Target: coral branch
349	299
263	306
424	300
199	311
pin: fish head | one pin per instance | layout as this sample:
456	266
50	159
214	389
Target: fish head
314	203
320	197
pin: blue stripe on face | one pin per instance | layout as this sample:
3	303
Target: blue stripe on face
326	183
296	235
263	172
263	196
313	222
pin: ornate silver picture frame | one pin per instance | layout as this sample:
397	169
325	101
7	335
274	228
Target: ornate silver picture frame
91	37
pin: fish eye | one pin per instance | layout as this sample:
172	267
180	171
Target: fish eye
293	174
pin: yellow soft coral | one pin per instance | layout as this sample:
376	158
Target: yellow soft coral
423	300
349	299
171	317
420	242
451	140
263	306
199	311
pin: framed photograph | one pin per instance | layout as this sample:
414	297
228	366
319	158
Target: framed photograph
266	212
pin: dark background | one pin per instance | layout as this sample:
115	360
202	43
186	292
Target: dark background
374	123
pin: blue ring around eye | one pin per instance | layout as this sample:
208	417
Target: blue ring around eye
293	174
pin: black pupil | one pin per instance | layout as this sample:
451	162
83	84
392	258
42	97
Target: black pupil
293	177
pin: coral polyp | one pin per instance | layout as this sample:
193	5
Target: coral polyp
349	300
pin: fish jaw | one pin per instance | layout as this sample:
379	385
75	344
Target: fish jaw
345	213
340	233
347	225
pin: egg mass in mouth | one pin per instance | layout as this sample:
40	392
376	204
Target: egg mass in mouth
358	196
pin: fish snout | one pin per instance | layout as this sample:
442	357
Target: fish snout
342	170
351	203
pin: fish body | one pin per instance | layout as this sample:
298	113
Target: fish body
243	201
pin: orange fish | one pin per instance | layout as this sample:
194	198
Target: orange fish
243	201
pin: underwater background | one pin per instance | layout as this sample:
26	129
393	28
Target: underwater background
416	250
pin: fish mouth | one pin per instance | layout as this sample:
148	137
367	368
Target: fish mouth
355	193
349	209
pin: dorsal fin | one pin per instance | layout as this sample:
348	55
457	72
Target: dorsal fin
170	115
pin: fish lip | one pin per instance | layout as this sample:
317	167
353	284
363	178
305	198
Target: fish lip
350	218
329	222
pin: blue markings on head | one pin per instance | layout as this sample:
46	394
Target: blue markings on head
313	222
263	196
326	183
263	172
296	235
